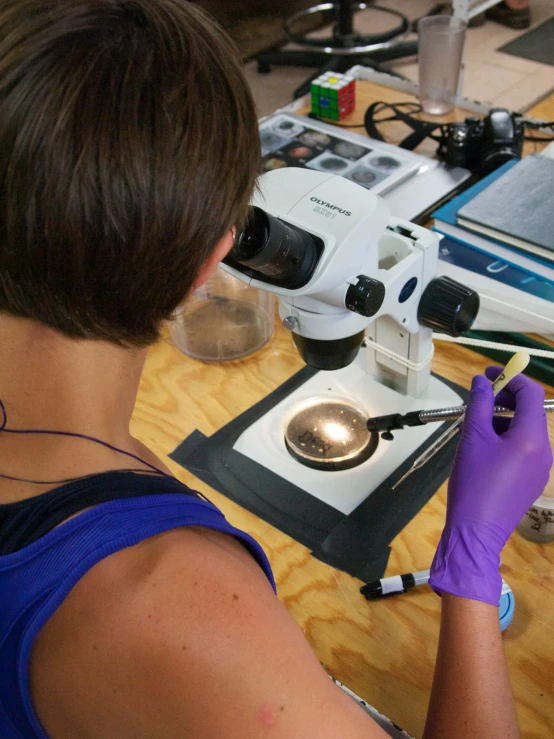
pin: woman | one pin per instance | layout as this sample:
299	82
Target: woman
129	607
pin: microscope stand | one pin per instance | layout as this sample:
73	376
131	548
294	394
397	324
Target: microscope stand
345	490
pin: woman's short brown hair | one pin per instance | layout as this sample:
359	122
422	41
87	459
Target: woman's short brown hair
128	148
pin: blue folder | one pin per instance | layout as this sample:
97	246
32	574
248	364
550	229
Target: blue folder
460	254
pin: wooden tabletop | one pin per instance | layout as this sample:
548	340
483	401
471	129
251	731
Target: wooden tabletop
383	650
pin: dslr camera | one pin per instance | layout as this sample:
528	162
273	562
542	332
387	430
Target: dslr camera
484	145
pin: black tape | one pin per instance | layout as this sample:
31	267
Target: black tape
279	502
358	543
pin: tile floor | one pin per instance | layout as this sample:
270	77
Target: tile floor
490	75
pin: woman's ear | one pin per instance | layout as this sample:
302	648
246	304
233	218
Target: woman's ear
223	247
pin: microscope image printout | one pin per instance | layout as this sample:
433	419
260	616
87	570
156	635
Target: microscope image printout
288	142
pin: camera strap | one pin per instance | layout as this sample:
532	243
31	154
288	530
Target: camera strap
420	129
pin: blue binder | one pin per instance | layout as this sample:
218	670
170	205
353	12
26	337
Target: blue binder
457	252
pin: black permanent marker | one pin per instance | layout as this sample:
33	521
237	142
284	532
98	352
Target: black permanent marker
395	584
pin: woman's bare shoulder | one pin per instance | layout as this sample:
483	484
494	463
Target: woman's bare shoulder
183	635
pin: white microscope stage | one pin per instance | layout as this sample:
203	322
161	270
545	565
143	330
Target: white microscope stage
264	440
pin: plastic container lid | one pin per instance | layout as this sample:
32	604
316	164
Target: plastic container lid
506	606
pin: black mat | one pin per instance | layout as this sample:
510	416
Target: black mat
285	506
536	45
358	543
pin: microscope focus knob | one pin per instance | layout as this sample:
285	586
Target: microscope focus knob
366	297
448	307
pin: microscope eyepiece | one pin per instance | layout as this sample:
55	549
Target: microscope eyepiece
251	241
272	251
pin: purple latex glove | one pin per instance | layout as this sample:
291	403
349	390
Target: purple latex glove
501	468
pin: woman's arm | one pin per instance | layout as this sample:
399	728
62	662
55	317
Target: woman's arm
501	468
471	695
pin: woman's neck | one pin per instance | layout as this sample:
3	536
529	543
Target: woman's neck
51	382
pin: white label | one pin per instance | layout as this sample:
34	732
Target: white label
540	520
505	588
392	585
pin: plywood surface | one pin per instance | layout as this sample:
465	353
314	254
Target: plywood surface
383	650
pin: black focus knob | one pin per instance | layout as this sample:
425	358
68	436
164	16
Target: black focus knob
448	306
366	297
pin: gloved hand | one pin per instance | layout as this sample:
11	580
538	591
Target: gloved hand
501	468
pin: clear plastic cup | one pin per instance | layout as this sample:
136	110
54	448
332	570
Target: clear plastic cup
225	319
538	523
441	43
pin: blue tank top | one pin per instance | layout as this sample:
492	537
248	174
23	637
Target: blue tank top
35	579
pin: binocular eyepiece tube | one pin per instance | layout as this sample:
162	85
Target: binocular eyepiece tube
275	252
283	255
280	254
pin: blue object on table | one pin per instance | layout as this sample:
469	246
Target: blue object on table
506	607
457	252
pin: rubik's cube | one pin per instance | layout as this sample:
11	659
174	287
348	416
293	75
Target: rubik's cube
333	95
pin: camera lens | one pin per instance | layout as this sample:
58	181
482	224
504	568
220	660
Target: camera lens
496	159
276	252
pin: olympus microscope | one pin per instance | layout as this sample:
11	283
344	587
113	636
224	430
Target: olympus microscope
357	288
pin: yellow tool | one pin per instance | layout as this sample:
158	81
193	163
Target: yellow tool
514	367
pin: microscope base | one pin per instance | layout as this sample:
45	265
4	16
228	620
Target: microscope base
264	443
